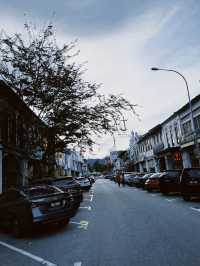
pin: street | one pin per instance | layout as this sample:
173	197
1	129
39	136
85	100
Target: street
118	226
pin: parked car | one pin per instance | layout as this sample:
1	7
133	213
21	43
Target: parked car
21	209
190	183
137	179
84	183
143	179
153	182
92	179
68	185
73	188
170	182
128	178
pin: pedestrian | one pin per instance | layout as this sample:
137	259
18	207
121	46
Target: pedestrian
118	179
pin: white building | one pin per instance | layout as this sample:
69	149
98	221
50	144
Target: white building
169	145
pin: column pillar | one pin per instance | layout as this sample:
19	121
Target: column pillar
1	169
24	171
186	159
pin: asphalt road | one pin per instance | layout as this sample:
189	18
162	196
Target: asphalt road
123	226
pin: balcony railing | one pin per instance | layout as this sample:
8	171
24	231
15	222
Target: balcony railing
158	148
189	137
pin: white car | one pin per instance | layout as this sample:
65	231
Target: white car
128	178
84	183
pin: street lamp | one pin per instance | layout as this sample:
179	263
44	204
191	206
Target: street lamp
188	93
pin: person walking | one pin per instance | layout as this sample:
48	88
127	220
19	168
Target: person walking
118	179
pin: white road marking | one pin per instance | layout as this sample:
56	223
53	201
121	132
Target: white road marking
92	196
153	195
195	209
81	224
170	200
27	254
77	263
88	208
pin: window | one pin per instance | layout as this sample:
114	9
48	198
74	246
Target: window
176	132
171	135
197	122
187	127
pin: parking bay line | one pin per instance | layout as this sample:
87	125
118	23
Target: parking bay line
170	200
85	207
79	263
81	224
27	254
195	209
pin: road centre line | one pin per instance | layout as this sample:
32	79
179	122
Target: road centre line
27	254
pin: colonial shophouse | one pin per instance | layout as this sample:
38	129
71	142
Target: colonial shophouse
23	140
169	145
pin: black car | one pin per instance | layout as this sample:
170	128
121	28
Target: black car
170	182
68	185
22	209
190	183
73	188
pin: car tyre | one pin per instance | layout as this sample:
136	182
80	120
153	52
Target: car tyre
186	198
64	222
17	228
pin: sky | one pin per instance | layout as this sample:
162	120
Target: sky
121	41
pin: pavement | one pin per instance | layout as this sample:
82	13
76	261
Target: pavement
115	226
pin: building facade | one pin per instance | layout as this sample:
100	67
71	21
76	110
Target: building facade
23	140
169	145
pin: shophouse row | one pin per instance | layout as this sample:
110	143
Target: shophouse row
27	145
169	145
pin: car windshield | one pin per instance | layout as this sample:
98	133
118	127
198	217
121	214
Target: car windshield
40	191
192	173
172	173
81	178
63	181
155	175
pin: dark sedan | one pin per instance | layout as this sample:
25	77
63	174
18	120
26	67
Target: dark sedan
73	188
67	184
21	209
190	183
170	182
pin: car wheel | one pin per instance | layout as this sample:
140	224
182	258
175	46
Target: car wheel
17	228
186	198
165	193
64	222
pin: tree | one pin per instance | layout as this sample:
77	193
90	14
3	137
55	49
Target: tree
44	76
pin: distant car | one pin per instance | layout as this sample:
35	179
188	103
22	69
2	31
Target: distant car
21	209
190	183
170	182
108	177
143	179
128	179
153	182
137	179
92	179
84	183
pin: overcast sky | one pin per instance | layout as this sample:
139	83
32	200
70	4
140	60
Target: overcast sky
122	40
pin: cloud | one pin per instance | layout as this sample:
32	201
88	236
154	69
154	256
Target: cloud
121	59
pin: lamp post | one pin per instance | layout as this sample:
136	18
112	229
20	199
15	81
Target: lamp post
189	99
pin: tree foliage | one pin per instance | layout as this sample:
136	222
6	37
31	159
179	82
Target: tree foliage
44	75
